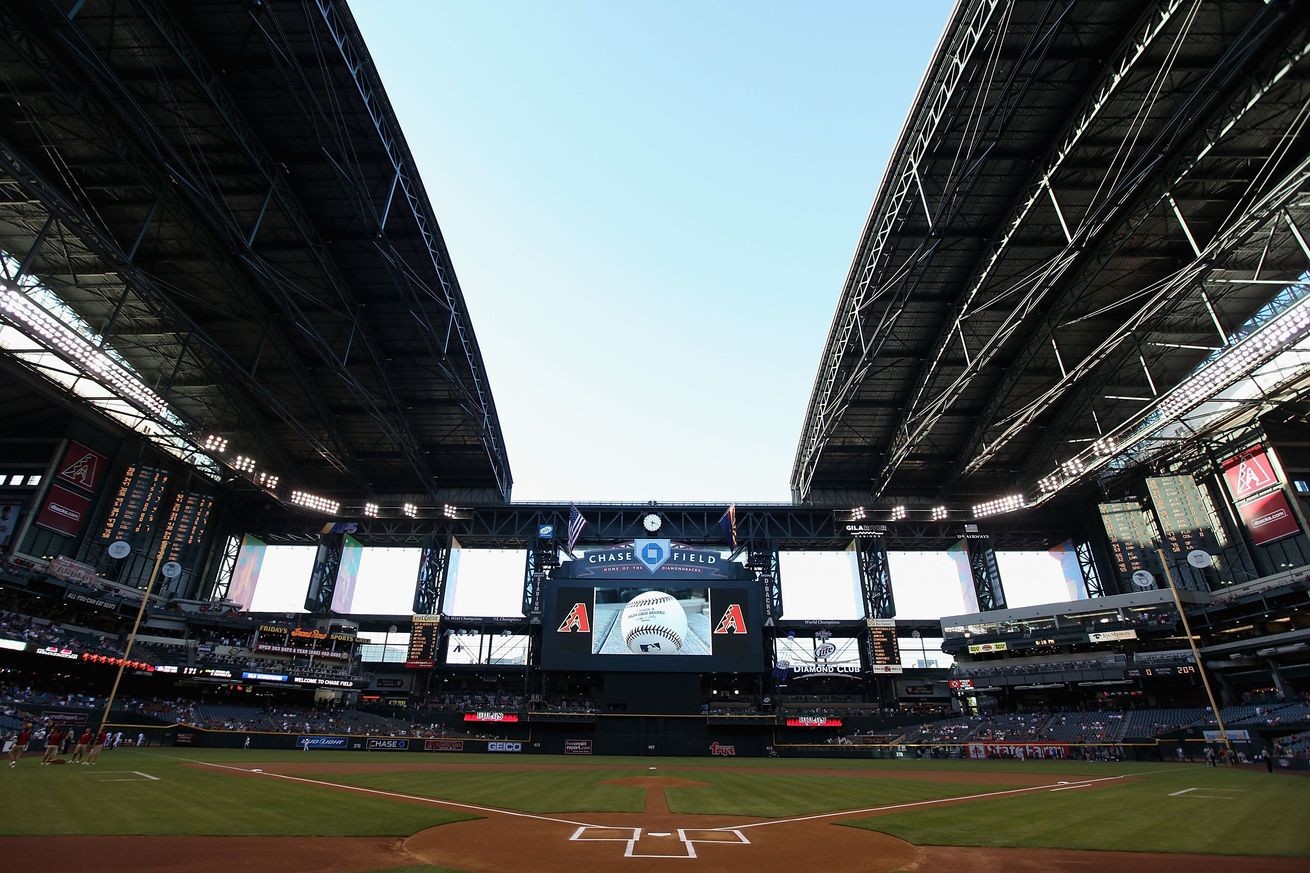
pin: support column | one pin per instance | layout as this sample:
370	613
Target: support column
1087	564
763	559
875	578
323	580
430	587
543	557
986	575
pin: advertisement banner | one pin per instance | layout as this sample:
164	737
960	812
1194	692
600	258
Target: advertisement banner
984	648
98	602
490	716
443	745
63	511
1249	473
70	570
1268	518
1235	736
387	744
577	747
813	721
303	742
504	747
82	467
1111	636
651	559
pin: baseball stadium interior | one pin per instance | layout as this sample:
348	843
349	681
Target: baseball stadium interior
1053	478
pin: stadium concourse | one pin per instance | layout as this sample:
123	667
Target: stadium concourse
1043	585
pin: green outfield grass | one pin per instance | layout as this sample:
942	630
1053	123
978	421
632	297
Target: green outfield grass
1234	812
764	795
73	799
1239	812
543	791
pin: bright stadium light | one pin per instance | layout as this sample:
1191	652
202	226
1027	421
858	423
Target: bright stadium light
214	443
267	481
243	464
410	510
313	501
371	510
858	514
77	350
1073	467
1001	504
939	513
899	513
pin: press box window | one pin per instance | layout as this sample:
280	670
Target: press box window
1302	486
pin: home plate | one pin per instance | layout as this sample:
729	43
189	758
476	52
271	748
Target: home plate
658	834
256	770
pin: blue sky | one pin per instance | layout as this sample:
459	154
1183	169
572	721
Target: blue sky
651	209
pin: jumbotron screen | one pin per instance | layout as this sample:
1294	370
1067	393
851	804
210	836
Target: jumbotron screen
652	627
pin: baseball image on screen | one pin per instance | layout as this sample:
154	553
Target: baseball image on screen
652	622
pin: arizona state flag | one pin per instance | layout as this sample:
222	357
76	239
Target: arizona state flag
728	523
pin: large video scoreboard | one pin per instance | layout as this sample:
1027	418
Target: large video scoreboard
652	607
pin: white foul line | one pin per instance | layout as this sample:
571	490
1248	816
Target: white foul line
849	812
1068	787
434	800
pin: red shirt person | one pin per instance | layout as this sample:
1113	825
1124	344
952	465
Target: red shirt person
20	744
83	746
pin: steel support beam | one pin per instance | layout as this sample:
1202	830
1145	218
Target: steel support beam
323	578
986	574
430	589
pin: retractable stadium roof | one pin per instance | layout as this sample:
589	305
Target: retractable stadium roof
222	192
1087	201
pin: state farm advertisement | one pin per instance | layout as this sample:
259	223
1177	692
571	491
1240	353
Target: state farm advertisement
813	721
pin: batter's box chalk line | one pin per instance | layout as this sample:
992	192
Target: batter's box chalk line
660	843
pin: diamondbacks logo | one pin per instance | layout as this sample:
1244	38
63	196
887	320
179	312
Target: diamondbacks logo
82	469
1252	475
576	620
732	621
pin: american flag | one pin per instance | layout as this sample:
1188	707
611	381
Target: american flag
576	524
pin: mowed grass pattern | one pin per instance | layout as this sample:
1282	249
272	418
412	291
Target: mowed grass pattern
764	795
1235	812
1245	812
72	799
540	791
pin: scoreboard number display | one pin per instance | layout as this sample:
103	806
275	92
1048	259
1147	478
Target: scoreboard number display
424	638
